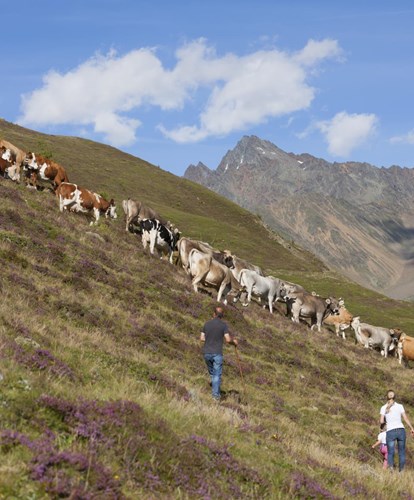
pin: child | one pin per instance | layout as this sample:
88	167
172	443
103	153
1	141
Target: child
382	441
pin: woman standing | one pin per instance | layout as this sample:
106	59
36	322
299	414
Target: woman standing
391	413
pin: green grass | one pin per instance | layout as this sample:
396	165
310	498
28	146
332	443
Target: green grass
99	346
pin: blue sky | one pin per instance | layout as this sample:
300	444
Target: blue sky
179	82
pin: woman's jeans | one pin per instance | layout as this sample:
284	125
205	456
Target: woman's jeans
399	436
214	364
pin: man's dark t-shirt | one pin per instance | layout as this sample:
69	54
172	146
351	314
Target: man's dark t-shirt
214	331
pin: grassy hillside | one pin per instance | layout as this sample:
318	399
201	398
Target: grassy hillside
104	392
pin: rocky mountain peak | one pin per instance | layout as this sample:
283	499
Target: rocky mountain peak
251	152
331	209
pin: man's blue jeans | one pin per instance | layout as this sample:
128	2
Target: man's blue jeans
214	364
399	436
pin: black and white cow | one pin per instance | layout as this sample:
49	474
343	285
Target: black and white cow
159	237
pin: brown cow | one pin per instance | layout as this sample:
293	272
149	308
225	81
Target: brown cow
405	349
340	321
78	199
40	168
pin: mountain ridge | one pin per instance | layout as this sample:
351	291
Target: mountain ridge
357	217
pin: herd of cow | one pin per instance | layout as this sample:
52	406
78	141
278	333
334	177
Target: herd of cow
231	276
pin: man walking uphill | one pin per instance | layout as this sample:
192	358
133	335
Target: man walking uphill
213	333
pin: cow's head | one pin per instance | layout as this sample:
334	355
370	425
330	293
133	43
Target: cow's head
281	297
111	210
13	173
30	162
332	305
289	292
355	322
229	261
6	154
396	333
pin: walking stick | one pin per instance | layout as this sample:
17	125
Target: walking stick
240	369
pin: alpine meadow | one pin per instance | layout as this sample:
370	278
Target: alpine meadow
104	393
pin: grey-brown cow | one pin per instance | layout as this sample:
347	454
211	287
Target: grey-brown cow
308	306
205	270
185	245
135	211
376	337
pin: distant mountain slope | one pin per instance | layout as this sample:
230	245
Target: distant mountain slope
357	218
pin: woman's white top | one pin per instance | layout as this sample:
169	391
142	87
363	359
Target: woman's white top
393	417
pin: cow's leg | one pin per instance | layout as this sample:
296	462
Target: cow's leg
196	280
317	321
61	204
221	290
270	304
400	352
226	291
249	297
96	214
144	240
127	223
170	251
295	316
153	237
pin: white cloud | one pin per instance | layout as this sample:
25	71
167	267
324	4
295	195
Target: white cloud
407	138
106	92
345	132
256	87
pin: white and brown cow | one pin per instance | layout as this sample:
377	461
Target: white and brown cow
38	168
15	155
205	270
159	237
78	199
5	163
